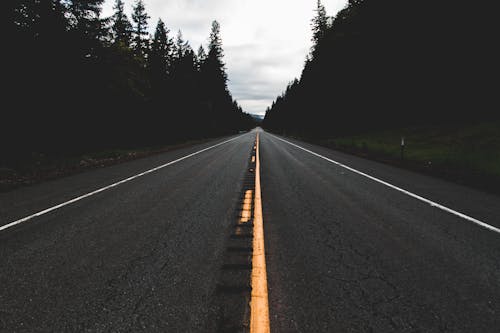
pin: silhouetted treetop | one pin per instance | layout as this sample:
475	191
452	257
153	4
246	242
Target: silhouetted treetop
319	24
216	54
121	26
201	56
140	30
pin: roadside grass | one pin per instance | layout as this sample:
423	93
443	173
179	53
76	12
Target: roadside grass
41	167
467	153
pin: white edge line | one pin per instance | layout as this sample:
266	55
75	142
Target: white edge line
45	211
418	197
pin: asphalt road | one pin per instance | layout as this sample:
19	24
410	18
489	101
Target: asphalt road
343	253
347	254
144	255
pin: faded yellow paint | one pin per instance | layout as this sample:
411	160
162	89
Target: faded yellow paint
246	209
259	306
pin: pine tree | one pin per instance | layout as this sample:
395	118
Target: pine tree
161	46
319	25
140	30
86	27
216	53
201	57
214	84
121	28
85	17
189	59
180	45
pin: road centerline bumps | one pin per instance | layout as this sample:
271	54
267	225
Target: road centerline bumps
234	286
242	307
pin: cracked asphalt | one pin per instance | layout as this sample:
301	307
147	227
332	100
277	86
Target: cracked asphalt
343	253
346	254
143	256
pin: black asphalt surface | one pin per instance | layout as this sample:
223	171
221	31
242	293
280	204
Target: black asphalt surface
344	253
142	256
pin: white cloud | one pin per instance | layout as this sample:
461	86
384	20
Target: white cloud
265	41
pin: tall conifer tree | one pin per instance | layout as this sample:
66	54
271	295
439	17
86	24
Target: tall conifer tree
121	27
140	29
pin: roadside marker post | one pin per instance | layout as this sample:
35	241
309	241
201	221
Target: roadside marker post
402	148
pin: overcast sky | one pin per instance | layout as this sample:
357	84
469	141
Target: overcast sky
265	41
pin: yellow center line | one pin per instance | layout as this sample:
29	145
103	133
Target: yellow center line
246	209
259	306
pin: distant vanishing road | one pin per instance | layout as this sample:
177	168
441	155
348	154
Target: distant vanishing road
240	234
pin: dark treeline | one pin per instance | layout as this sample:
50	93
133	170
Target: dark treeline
384	64
77	82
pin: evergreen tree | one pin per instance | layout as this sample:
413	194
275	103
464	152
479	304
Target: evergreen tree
180	45
85	17
190	61
201	57
214	85
216	53
121	27
140	29
319	24
160	50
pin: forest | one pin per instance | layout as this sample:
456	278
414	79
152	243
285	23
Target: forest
78	82
389	64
